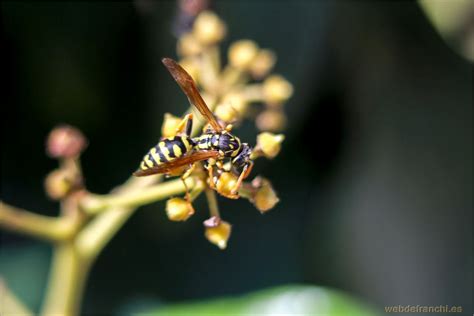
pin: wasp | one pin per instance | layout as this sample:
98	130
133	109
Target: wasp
217	145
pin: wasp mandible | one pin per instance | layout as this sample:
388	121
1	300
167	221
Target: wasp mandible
215	146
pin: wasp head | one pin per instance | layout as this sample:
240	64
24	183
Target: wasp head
243	157
229	145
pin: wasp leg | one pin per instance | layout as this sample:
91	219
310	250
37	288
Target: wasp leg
210	170
186	125
184	177
244	174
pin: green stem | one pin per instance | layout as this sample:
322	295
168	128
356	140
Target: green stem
67	279
10	304
94	204
93	238
43	227
212	202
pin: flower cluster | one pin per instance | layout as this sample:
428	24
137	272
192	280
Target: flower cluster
242	89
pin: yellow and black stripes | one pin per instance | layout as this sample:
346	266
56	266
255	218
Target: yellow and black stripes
207	141
167	150
227	144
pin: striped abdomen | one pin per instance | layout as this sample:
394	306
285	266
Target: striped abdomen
166	150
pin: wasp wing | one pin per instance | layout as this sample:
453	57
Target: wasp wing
189	88
174	164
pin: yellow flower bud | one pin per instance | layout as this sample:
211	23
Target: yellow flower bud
237	101
265	197
270	144
263	63
273	120
170	124
242	53
188	45
179	209
208	28
276	89
191	66
57	184
219	235
226	112
225	183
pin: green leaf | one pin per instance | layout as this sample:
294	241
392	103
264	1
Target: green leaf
283	300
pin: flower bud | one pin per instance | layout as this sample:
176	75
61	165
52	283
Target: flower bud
188	45
219	235
276	89
273	120
57	184
226	183
170	124
191	67
242	53
226	112
179	209
263	63
270	144
237	101
265	197
65	142
209	28
193	7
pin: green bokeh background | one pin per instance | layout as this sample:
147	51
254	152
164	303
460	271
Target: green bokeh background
375	176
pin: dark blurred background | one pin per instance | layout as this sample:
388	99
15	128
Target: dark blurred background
375	176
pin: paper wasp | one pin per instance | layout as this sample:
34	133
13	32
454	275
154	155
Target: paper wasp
215	146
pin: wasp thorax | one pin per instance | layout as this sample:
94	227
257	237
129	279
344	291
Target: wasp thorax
228	144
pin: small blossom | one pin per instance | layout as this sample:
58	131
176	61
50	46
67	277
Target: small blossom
65	142
170	124
276	89
179	209
188	45
209	28
237	101
265	197
219	235
262	64
273	120
190	65
226	112
193	7
242	53
270	144
58	184
226	183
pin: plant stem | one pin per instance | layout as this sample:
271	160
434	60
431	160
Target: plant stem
212	202
95	203
44	227
67	279
10	304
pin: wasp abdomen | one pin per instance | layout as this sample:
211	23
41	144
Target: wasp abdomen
167	150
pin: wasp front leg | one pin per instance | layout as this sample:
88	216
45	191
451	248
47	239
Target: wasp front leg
244	174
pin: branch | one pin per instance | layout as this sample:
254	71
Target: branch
44	227
118	208
10	304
